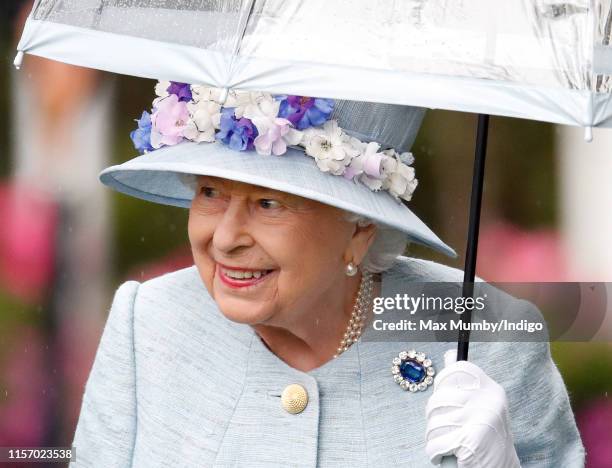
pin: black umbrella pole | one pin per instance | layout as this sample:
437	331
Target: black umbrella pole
469	272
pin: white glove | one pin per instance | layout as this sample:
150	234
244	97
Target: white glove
467	416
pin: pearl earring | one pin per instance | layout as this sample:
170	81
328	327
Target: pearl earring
351	269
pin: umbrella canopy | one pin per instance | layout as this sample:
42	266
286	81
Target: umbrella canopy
531	59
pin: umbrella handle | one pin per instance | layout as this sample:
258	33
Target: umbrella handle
449	462
472	245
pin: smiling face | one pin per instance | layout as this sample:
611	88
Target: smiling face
268	257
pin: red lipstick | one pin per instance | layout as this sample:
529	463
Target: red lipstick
240	283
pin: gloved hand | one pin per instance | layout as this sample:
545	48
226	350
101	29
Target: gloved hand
467	416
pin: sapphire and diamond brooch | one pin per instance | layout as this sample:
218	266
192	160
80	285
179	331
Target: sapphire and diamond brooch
413	371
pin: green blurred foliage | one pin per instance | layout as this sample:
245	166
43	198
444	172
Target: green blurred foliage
586	369
5	105
519	184
144	231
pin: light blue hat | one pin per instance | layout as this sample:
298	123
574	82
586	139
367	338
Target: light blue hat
159	175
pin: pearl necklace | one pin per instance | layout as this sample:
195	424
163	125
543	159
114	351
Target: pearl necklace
358	316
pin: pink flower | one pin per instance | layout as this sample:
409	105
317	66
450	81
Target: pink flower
24	403
27	233
526	256
595	424
277	137
169	120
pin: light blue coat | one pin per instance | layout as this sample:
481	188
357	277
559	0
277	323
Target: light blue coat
174	383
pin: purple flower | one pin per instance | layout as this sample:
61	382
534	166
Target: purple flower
141	137
182	90
304	112
239	134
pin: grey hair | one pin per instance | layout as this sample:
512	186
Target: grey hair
190	181
389	243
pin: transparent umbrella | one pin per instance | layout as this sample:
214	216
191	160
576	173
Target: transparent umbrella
533	59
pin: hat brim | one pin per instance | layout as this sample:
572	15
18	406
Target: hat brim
155	177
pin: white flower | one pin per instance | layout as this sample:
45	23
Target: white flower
261	111
330	146
205	93
389	163
240	100
156	139
161	88
400	178
406	158
357	144
205	119
237	99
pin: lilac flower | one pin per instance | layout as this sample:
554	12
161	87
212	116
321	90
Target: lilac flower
277	137
182	90
275	133
239	134
304	112
141	137
169	121
367	164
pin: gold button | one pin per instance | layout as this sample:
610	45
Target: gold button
294	398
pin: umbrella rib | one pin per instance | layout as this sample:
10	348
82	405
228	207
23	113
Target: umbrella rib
242	27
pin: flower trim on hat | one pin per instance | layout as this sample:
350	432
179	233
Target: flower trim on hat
270	124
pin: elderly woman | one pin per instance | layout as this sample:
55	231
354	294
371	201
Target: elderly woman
256	356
